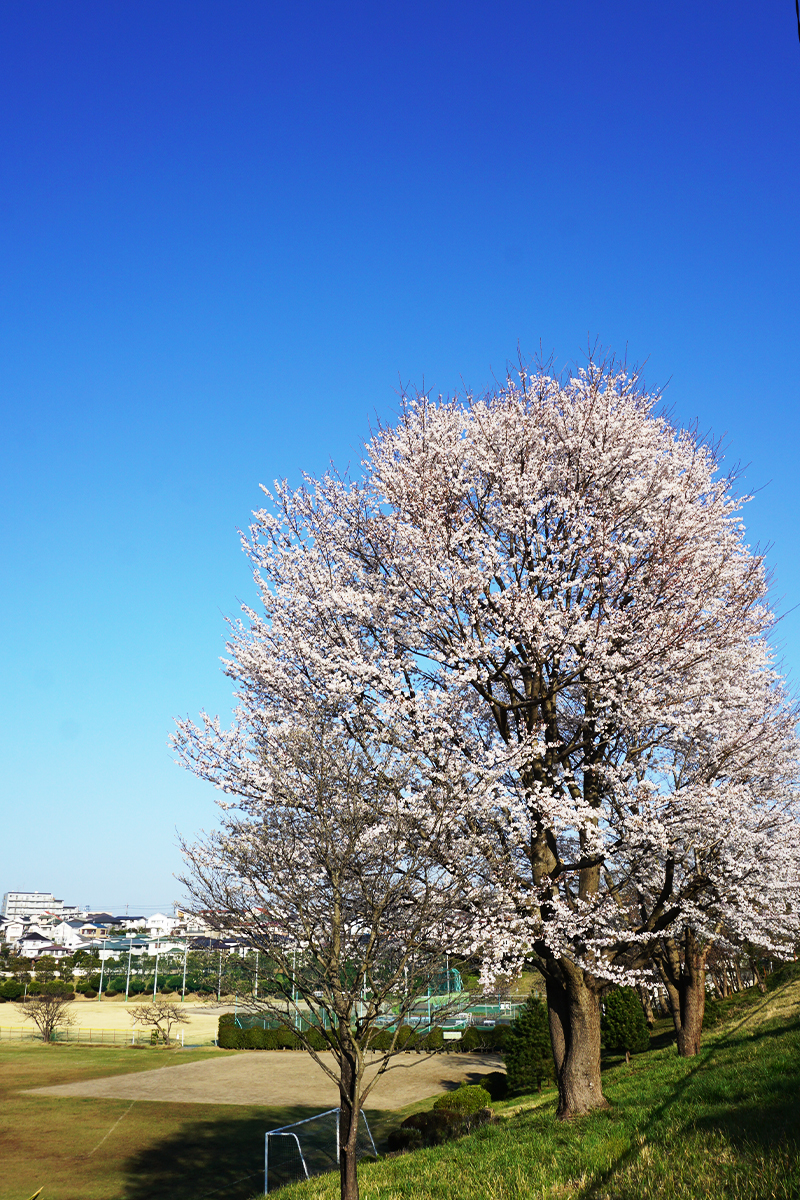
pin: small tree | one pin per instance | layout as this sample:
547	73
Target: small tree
49	1011
46	968
624	1026
329	863
159	1015
528	1054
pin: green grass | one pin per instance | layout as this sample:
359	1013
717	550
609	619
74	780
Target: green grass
101	1149
725	1124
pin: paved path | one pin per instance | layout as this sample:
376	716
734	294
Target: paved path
275	1077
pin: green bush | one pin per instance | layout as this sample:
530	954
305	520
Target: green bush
433	1040
11	990
623	1026
484	1038
231	1037
496	1084
527	1051
433	1128
468	1098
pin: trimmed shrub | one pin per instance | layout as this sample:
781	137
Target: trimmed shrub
433	1040
496	1084
527	1052
624	1026
11	990
469	1098
231	1037
433	1128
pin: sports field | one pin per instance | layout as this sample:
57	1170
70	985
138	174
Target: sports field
112	1014
280	1077
104	1123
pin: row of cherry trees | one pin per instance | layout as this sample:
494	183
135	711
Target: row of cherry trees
542	603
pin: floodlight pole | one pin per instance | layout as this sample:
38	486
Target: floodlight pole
102	966
130	952
155	977
185	954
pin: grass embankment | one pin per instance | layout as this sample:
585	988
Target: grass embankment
724	1124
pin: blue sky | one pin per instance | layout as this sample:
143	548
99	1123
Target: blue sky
228	233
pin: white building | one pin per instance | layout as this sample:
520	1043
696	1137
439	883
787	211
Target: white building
76	934
160	924
37	905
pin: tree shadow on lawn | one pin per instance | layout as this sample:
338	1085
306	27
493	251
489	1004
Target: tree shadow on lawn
223	1158
218	1158
770	1121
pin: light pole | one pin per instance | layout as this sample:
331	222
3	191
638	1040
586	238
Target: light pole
102	967
155	977
219	978
185	955
130	952
255	989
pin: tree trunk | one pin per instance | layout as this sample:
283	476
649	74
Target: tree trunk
692	988
683	972
762	987
647	1005
737	972
348	1129
574	1011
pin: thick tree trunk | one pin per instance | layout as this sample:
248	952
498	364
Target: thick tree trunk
348	1129
684	975
574	1009
693	997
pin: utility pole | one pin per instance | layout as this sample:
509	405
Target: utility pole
255	989
219	979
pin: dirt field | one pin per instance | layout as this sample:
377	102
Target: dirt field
278	1077
113	1014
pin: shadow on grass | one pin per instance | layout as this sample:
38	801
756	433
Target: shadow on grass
769	1118
217	1158
222	1159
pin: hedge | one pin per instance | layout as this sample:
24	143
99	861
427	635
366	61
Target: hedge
231	1037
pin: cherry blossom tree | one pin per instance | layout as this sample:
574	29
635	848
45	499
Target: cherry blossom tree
545	596
734	861
327	861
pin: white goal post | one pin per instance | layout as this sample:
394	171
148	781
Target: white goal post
297	1151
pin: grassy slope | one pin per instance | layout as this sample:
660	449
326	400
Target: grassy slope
725	1124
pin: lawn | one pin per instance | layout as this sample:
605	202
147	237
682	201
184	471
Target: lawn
91	1149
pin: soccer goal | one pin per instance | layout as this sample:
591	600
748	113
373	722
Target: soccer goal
295	1152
